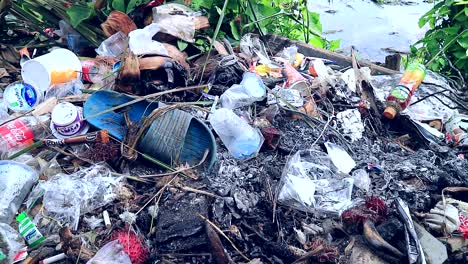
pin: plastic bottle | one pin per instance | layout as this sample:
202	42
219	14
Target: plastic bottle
21	97
20	133
400	96
250	90
242	140
99	73
28	230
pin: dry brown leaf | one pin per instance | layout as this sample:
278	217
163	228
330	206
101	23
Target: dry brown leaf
118	21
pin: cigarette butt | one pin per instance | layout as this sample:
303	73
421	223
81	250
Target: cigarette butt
107	222
53	259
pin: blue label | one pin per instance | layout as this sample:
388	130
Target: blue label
29	94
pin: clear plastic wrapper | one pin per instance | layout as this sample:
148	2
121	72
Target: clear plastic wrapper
361	179
111	253
174	20
141	41
66	197
16	180
252	46
310	182
242	140
250	90
350	124
10	243
65	89
340	157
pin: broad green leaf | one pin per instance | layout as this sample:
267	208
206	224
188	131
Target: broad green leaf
463	42
315	22
334	44
119	5
460	55
461	3
234	30
451	30
132	4
79	13
182	45
316	42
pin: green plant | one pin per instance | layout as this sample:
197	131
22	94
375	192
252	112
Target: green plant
444	47
289	18
82	10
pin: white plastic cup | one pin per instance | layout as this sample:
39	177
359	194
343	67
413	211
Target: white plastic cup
58	66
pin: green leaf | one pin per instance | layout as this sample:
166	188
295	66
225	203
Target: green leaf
460	55
316	42
182	45
79	13
466	52
119	5
132	4
334	44
234	30
463	42
314	23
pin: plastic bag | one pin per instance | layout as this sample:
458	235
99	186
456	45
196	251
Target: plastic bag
250	90
350	124
175	20
114	45
65	89
242	140
10	243
340	157
111	253
310	182
361	179
69	196
252	46
16	180
141	41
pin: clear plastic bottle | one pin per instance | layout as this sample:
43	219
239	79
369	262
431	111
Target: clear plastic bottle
20	133
250	90
242	140
99	73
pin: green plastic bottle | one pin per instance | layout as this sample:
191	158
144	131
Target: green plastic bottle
28	230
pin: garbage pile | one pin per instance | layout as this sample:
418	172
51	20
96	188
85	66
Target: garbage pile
245	155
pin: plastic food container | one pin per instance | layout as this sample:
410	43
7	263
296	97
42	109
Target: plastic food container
67	121
58	66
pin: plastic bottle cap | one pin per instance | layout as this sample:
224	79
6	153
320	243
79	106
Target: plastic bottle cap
21	217
390	112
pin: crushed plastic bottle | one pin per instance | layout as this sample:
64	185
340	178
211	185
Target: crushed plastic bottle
250	90
20	133
242	140
114	46
99	73
400	96
13	190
